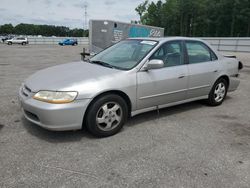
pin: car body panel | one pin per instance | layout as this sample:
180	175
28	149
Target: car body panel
202	77
89	80
68	42
53	116
68	76
18	40
161	86
146	90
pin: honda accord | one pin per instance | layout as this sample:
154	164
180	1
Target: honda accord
128	78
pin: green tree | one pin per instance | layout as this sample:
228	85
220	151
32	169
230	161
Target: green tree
141	8
6	29
45	30
214	18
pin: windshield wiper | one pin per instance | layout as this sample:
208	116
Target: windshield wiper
102	63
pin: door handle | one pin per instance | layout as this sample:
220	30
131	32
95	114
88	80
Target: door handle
182	76
215	70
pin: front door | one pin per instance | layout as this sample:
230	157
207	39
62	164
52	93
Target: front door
165	85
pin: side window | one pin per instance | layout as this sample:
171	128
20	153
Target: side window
213	56
171	53
199	52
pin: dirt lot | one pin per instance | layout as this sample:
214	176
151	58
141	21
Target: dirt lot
190	145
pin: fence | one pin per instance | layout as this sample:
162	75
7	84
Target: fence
230	44
221	44
55	40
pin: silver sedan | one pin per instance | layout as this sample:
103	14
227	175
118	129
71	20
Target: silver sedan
130	77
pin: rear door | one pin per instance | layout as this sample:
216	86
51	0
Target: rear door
165	85
67	42
203	67
15	40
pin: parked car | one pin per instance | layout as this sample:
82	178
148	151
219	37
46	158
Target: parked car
68	42
17	40
128	78
7	38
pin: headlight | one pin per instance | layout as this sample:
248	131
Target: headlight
56	97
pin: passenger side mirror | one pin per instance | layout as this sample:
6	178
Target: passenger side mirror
154	64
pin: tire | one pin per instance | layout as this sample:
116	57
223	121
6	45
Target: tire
23	43
106	115
218	93
9	43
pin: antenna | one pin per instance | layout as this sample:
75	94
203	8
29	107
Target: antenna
85	24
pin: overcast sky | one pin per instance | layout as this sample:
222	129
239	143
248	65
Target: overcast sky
66	12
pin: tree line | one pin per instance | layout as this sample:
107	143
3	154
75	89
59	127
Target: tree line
202	18
44	30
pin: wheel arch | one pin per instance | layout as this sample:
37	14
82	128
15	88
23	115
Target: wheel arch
226	77
116	92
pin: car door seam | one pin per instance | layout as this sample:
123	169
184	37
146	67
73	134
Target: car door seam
162	94
199	87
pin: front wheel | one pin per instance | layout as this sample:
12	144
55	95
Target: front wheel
218	92
9	43
106	115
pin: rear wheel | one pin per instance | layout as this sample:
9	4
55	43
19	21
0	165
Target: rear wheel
218	92
106	115
23	43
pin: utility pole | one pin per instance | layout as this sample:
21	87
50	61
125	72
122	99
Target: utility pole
85	24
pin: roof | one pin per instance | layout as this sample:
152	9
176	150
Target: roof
165	39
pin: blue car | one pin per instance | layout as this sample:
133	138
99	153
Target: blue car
68	42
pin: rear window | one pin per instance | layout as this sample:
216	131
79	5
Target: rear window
198	52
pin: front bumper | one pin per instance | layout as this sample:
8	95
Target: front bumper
57	117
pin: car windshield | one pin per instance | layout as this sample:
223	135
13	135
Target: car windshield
125	54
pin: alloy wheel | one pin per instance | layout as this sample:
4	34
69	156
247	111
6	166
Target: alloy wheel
219	92
109	116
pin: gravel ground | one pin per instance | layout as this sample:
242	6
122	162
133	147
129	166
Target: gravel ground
190	145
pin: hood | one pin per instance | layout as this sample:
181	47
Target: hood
67	76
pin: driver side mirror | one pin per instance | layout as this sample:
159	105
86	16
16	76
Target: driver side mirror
154	64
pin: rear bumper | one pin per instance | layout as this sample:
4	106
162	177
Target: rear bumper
234	83
57	117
